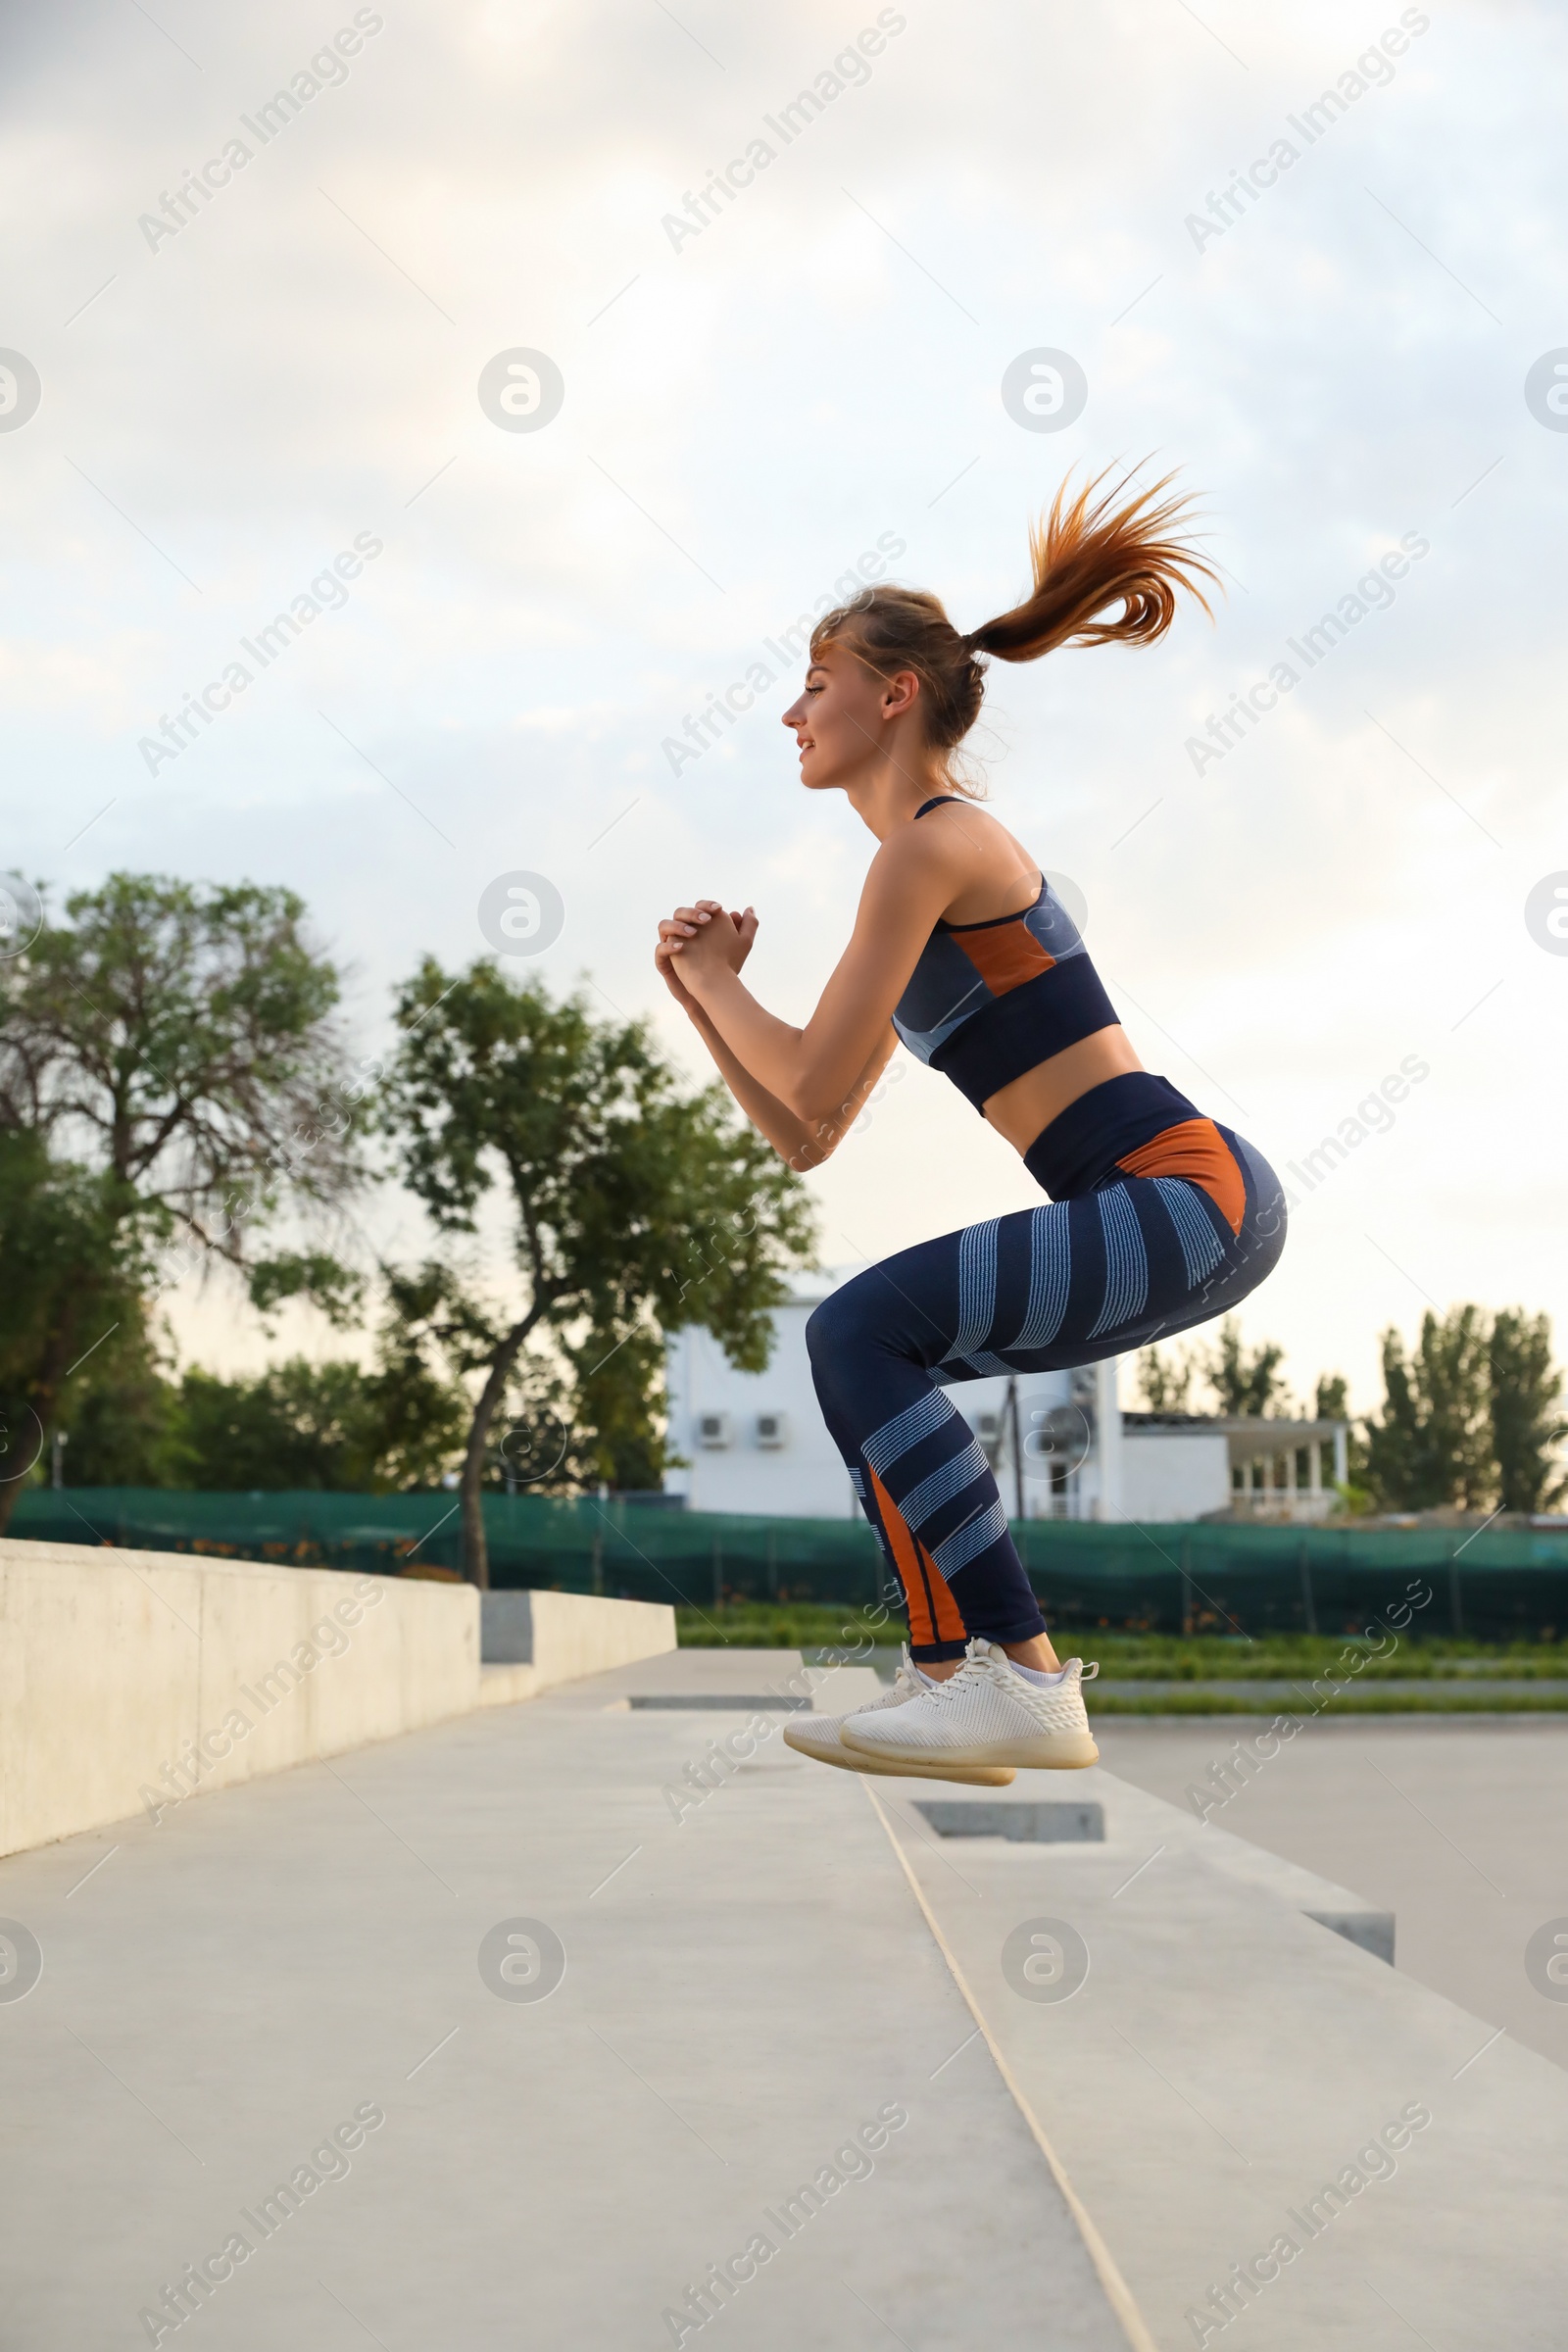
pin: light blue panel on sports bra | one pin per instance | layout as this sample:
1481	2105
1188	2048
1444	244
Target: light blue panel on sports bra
945	991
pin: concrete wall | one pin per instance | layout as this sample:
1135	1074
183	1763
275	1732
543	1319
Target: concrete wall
112	1664
1174	1474
530	1641
122	1672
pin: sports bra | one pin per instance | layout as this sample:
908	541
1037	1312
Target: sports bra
989	1000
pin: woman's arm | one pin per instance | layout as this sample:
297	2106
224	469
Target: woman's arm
801	1144
814	1072
804	1146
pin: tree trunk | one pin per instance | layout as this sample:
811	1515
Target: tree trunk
475	1549
470	1488
15	1412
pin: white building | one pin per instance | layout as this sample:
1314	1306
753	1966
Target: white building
1261	1467
1059	1442
754	1441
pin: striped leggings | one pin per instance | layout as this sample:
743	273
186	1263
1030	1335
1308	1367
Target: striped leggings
1132	1260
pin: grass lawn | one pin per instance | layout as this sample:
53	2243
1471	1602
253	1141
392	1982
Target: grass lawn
1203	1659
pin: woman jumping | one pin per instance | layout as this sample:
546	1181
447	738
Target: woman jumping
1159	1218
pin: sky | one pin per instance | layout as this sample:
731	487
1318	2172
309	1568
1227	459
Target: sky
1347	354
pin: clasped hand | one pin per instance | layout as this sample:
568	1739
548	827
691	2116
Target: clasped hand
697	941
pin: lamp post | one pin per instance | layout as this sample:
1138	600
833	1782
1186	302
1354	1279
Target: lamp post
1108	1440
1017	1446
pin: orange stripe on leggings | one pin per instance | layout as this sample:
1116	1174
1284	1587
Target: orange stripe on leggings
949	1617
905	1559
933	1611
1194	1149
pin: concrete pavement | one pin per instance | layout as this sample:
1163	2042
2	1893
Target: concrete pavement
1456	1826
512	2029
754	2040
1218	2059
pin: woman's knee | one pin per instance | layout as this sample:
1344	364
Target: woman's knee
856	1340
827	1332
840	1333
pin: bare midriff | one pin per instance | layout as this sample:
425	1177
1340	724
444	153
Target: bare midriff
1023	1110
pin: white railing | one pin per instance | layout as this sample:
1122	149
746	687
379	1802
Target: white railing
1055	1504
1294	1505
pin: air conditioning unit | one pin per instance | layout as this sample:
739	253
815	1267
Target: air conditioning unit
713	1428
772	1429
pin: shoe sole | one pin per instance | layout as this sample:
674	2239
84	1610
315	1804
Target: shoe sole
1049	1751
981	1775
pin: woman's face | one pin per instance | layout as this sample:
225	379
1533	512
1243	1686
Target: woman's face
845	719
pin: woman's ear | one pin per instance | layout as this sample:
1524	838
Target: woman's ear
900	692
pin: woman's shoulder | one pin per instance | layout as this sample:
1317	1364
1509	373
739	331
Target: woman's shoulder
973	863
925	869
959	810
962	836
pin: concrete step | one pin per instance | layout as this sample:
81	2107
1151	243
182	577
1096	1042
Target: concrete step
1206	2059
597	2042
1027	1821
750	1702
1469	1686
732	1674
1375	1691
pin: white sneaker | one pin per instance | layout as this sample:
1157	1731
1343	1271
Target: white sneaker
985	1714
818	1735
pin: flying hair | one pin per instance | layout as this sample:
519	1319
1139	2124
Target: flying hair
1107	570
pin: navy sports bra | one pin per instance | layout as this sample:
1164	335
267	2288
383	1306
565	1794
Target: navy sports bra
988	1002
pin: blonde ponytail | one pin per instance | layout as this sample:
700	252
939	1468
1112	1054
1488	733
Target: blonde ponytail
1089	557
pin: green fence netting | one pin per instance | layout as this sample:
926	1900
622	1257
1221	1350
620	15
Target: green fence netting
1494	1585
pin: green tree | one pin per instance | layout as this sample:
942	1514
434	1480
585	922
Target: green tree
1433	1444
329	1426
1400	1472
125	1427
1245	1384
620	1396
1526	1424
633	1206
1165	1380
68	1282
1331	1401
399	1425
418	1415
163	1057
578	1415
293	1425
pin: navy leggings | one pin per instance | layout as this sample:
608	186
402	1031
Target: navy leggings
1132	1260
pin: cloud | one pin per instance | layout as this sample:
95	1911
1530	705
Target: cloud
741	419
